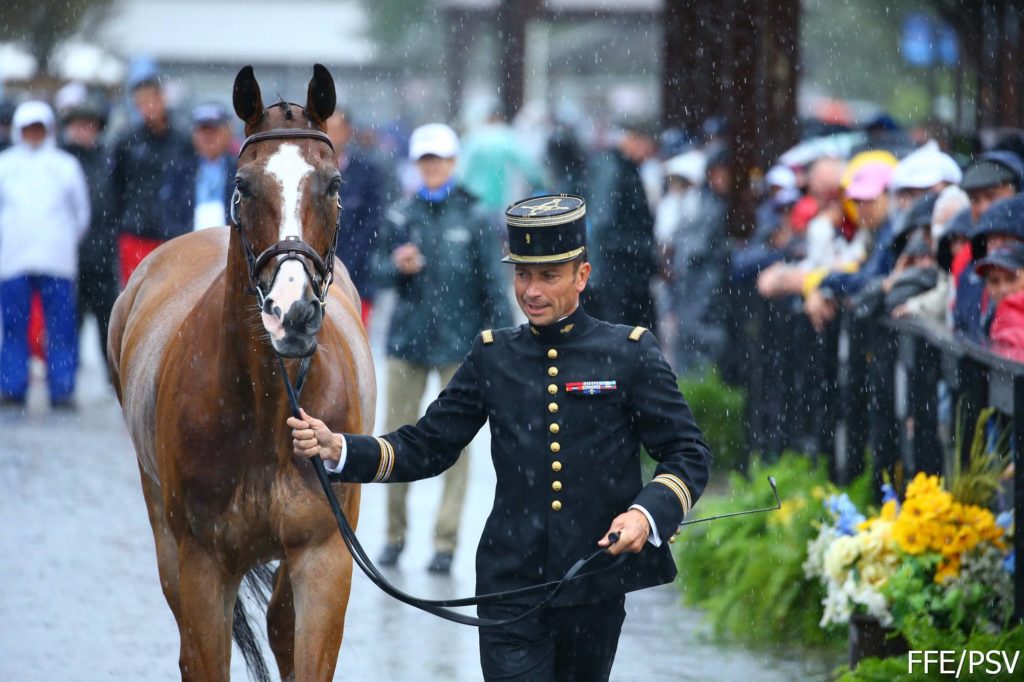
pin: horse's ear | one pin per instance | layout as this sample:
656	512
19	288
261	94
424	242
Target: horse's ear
320	97
246	97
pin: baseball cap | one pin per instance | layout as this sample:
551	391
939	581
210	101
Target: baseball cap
780	176
992	169
926	167
869	181
1010	258
210	114
435	139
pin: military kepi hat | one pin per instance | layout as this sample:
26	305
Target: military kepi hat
546	229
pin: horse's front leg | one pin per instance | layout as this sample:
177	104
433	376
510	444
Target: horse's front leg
281	623
321	579
207	596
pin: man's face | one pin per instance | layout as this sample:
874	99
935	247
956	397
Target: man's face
83	132
33	135
548	292
1001	283
435	171
982	198
637	147
871	213
1000	240
339	130
906	196
149	100
211	140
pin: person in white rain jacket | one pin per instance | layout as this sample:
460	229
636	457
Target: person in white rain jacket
44	212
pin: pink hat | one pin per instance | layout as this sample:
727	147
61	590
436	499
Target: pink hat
869	181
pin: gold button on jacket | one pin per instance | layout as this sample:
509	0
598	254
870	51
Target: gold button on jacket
553	428
552	389
556	486
556	505
555	447
552	371
552	354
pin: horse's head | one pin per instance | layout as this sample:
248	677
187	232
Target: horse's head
285	208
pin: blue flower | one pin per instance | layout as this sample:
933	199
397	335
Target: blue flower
845	512
1009	563
888	493
1005	520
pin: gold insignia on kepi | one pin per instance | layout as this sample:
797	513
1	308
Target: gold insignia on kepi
546	229
546	211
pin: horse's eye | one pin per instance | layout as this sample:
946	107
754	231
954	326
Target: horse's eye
243	187
334	187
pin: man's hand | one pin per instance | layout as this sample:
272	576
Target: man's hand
819	309
633	530
407	259
311	437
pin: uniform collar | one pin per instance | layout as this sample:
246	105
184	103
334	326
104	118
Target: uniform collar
567	328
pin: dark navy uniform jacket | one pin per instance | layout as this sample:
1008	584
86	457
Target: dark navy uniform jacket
566	453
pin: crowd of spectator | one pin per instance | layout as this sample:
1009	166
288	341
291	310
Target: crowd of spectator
851	228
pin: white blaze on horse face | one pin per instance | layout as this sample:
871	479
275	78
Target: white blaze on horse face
290	170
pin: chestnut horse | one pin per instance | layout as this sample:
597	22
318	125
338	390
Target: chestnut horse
192	354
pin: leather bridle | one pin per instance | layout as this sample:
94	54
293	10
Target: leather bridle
291	248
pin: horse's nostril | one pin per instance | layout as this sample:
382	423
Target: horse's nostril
270	308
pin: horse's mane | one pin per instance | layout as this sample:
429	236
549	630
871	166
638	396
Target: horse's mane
285	107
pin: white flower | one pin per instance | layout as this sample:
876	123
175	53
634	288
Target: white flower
840	556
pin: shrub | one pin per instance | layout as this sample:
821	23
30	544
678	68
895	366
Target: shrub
747	572
719	412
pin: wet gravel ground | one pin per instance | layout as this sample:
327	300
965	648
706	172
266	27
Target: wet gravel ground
80	597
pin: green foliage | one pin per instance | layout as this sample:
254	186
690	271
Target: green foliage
747	572
719	412
923	636
979	597
981	482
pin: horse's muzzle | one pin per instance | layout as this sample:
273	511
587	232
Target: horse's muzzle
296	329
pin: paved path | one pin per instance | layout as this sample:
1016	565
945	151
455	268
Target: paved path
80	598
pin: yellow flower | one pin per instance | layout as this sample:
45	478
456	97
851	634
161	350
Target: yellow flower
948	569
789	507
888	512
913	538
923	485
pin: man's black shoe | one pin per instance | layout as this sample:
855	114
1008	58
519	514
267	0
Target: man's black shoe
389	557
441	563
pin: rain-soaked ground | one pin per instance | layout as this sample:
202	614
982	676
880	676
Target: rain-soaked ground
80	599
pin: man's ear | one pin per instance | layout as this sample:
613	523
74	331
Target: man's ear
582	275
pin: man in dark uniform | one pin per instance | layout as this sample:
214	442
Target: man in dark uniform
570	399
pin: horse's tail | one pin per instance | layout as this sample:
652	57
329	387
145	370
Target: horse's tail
258	583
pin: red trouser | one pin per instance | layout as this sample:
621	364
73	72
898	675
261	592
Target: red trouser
132	250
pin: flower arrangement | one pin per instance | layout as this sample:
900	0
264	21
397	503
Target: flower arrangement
931	556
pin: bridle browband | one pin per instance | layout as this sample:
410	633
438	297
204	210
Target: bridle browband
291	248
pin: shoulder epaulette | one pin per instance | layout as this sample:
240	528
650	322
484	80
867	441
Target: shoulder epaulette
488	337
637	333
